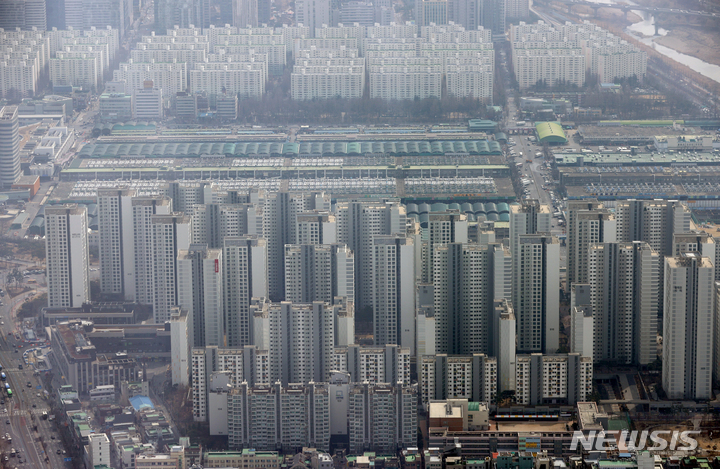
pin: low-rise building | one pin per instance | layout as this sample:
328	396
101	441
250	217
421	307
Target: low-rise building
116	107
246	458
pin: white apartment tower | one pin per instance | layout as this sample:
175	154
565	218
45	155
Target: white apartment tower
279	211
316	228
652	221
9	146
537	309
245	13
464	290
393	288
582	330
573	207
181	339
624	282
312	14
358	222
444	228
318	272
553	379
66	254
246	277
473	377
506	345
170	234
589	226
214	222
116	235
200	292
700	242
688	327
143	209
531	217
299	337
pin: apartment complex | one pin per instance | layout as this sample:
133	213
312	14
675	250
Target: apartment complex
545	54
624	282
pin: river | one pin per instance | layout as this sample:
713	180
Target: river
644	31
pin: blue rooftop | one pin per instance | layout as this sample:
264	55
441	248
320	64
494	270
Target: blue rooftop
141	402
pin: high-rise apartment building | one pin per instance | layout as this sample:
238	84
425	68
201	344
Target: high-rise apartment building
688	327
530	217
624	282
200	291
212	223
386	364
537	308
518	9
444	228
171	13
473	377
381	417
143	210
23	14
589	226
393	290
9	146
66	255
279	211
170	234
582	330
240	364
181	340
358	222
465	279
245	13
86	14
312	14
716	331
300	339
431	11
316	228
318	272
506	344
652	221
553	379
699	242
246	277
117	247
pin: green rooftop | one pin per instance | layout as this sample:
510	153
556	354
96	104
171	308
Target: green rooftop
289	149
473	406
550	132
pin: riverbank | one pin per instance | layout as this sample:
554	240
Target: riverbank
693	41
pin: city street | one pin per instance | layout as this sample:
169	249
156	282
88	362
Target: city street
25	408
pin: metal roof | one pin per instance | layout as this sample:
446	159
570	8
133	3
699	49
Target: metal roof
289	149
550	132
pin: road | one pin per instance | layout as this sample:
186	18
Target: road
24	410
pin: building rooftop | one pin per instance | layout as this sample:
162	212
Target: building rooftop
444	409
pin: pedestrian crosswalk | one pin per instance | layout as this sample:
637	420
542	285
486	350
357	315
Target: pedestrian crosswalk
25	412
